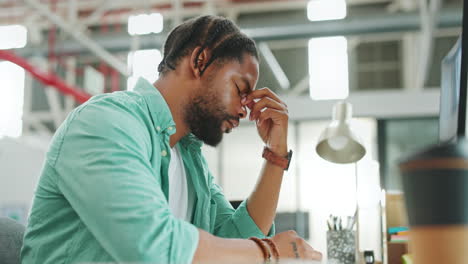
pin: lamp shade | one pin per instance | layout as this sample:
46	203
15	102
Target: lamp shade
338	143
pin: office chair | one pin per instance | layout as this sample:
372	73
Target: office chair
11	241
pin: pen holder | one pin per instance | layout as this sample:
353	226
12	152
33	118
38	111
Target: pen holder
341	246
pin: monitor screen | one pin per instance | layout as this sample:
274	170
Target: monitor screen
450	94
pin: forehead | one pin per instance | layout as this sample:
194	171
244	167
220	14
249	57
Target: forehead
245	71
249	69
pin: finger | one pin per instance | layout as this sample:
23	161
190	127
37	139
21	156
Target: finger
313	255
317	255
263	92
307	251
273	114
251	104
263	103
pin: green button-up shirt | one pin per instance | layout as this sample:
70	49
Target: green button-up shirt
103	192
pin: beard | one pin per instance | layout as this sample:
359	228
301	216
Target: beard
205	115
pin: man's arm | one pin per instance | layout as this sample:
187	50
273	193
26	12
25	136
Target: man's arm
263	201
212	249
230	223
271	117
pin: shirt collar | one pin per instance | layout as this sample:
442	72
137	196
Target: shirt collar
191	141
161	114
159	110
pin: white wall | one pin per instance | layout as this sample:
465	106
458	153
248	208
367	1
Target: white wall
241	156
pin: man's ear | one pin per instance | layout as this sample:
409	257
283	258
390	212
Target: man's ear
197	63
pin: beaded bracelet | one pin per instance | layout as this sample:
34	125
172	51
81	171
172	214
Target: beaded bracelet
263	247
270	253
273	248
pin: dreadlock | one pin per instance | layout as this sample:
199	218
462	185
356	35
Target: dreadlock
217	34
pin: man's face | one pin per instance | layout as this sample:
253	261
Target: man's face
216	107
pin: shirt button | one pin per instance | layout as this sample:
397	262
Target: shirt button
164	153
158	128
170	128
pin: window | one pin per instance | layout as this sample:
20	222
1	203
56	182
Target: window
442	46
400	137
378	65
11	101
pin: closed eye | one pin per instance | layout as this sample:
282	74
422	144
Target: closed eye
238	90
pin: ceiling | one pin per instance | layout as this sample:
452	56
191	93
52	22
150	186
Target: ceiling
96	12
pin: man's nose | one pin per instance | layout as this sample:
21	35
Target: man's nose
242	112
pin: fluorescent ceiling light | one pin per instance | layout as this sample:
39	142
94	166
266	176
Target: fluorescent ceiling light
328	68
13	36
145	24
143	63
319	10
12	99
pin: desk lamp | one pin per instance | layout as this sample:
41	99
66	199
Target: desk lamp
339	144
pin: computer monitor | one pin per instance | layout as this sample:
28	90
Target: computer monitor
450	97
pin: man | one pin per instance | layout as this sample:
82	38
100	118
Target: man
125	181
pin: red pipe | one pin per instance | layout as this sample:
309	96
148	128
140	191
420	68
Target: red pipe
104	69
60	63
115	81
48	79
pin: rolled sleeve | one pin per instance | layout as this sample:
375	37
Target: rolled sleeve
104	171
232	223
246	225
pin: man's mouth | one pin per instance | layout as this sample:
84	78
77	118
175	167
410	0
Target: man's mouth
234	123
231	125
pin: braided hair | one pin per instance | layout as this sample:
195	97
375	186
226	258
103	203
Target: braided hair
217	34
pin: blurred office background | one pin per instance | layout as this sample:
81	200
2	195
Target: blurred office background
383	56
